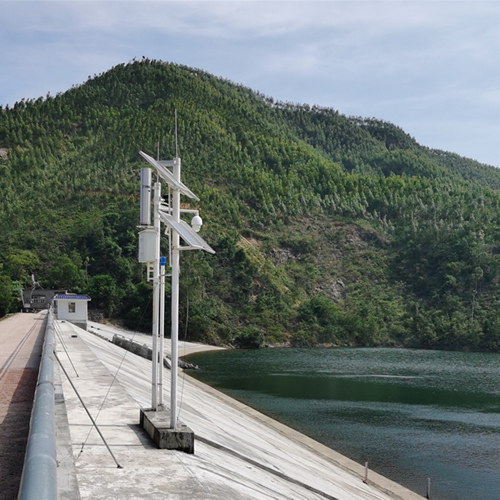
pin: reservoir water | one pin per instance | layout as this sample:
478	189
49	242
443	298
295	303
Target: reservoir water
410	414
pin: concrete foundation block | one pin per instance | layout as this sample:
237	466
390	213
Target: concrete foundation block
157	425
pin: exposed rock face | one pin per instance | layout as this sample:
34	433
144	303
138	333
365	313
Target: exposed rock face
281	256
334	290
4	153
96	315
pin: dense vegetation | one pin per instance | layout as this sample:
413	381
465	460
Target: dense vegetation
328	229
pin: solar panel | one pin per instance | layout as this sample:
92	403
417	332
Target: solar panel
167	176
186	232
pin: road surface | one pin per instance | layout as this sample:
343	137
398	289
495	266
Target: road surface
21	343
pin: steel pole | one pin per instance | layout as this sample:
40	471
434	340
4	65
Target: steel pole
156	297
176	214
162	330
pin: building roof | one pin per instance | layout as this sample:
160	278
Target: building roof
64	296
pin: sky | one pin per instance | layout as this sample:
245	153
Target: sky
432	67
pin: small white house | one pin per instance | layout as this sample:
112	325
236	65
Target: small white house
73	308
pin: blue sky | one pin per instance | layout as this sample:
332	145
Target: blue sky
431	67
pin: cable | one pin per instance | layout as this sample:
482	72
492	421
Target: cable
59	335
183	376
114	378
104	400
94	424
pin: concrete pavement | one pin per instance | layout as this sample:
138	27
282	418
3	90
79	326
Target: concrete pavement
239	453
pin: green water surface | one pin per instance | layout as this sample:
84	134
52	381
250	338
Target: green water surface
411	414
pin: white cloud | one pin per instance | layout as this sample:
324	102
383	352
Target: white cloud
235	19
404	61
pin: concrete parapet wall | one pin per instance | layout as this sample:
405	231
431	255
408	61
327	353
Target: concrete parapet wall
146	352
141	350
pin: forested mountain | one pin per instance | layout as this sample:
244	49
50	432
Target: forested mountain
328	229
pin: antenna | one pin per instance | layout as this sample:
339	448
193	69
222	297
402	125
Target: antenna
158	151
176	146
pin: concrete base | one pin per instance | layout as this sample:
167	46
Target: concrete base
157	425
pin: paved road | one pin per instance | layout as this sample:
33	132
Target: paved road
21	342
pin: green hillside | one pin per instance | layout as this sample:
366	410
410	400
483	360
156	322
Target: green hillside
328	229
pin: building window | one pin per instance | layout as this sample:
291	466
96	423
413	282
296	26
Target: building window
72	307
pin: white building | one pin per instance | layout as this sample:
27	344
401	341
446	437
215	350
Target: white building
73	308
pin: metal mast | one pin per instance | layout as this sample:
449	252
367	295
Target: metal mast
150	237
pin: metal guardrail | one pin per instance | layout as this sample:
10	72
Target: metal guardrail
39	479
